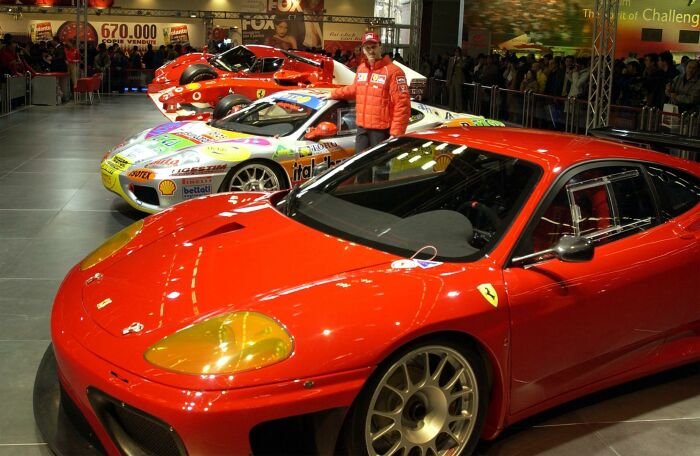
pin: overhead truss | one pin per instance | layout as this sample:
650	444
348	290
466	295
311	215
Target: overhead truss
195	14
602	60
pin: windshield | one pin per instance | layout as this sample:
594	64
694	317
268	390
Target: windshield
410	193
268	118
236	59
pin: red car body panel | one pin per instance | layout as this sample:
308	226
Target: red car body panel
547	341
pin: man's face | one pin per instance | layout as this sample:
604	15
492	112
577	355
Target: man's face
691	70
372	51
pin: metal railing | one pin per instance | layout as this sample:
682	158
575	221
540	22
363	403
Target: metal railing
535	110
14	88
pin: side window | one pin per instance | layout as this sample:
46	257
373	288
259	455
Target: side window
342	114
678	191
602	204
416	116
270	65
257	66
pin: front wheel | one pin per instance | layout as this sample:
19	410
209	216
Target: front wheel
253	177
429	400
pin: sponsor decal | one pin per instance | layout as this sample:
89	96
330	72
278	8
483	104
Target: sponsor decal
167	187
141	175
165	162
260	93
401	80
252	140
193	86
165	128
197	96
403	88
378	78
303	172
282	152
103	304
320	148
476	122
489	293
195	170
197	181
404	264
107	179
167	142
427	264
226	152
302	99
119	163
361	77
193	191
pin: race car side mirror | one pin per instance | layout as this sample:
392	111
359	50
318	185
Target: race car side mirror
570	249
322	130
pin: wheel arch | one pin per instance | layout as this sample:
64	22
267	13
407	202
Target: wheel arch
265	161
495	374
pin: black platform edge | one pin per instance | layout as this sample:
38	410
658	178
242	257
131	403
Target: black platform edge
59	420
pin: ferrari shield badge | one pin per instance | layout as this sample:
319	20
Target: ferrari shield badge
260	93
489	293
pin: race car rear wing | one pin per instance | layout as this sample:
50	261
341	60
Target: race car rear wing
681	146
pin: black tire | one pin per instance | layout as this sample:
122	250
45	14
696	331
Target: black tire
258	167
358	426
226	104
197	72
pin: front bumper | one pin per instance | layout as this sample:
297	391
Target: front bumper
160	193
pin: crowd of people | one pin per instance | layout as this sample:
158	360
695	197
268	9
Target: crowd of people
66	57
655	80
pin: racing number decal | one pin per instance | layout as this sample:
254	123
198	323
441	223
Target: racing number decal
489	293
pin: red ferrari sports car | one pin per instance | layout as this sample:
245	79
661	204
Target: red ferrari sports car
426	294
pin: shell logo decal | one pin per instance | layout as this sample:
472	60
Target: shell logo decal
167	187
489	293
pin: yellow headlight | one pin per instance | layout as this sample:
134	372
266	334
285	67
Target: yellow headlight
112	245
231	343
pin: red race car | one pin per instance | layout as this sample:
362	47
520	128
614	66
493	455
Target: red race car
428	293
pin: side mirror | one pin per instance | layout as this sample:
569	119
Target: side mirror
571	249
322	130
574	249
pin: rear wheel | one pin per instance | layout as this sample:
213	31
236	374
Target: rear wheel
427	400
254	176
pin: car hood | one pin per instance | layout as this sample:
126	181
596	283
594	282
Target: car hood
221	263
176	137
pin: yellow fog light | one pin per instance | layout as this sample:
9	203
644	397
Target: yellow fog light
112	245
231	343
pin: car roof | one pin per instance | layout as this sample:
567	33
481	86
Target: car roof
550	149
261	50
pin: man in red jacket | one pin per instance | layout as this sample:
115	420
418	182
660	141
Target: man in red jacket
382	102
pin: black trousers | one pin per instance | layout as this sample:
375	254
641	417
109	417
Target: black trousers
366	138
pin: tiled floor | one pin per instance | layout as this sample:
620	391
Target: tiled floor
53	210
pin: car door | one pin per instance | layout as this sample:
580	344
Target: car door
576	323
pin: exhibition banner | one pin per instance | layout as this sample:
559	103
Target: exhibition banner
643	25
126	34
345	41
41	31
285	26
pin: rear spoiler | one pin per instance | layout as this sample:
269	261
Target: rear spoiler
683	146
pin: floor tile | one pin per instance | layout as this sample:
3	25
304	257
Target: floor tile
16	197
673	437
18	183
30	289
50	258
60	165
23	223
25	319
83	224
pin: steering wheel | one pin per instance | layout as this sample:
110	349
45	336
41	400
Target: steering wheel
483	212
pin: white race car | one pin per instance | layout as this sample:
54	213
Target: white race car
272	144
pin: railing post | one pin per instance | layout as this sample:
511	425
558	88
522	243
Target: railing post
494	102
683	127
693	125
643	118
476	99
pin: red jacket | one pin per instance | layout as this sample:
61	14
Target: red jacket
381	96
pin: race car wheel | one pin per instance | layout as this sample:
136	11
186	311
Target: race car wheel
429	399
197	72
228	104
254	177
